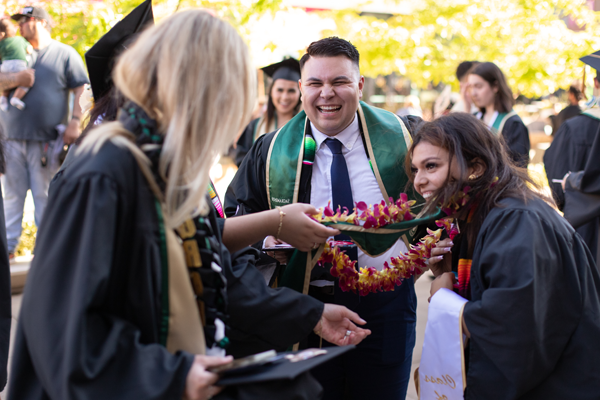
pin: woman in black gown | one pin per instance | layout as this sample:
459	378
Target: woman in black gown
532	287
492	95
132	293
283	103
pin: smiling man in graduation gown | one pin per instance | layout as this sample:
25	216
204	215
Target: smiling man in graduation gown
339	149
570	151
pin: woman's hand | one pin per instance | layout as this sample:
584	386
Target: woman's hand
445	280
199	384
300	231
337	326
441	257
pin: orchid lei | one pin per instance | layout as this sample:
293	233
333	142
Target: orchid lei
369	279
381	214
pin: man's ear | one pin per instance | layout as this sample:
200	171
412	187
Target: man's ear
361	85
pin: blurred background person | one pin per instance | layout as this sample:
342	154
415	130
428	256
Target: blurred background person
464	104
31	132
412	106
491	94
571	150
570	111
282	105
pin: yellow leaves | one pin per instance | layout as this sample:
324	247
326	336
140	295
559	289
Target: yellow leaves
523	37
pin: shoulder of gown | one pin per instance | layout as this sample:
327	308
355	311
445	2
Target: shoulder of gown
244	142
413	123
90	311
516	136
534	291
247	191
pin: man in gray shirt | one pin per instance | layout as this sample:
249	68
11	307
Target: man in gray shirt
31	132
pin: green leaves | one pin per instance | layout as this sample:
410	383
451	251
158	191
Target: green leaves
528	39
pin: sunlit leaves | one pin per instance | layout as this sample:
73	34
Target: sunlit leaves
528	39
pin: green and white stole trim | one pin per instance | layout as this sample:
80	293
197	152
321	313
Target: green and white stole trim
386	140
442	373
592	112
501	119
386	137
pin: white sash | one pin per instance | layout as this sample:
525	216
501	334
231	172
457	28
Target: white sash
442	369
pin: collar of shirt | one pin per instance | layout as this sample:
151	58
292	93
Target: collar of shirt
479	115
347	137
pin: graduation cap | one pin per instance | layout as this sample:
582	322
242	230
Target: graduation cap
593	60
288	69
285	370
100	57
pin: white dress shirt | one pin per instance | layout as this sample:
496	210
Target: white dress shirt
479	115
362	179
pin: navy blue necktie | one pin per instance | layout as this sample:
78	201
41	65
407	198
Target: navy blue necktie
341	191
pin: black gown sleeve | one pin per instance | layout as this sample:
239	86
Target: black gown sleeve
5	300
248	187
557	161
263	318
245	142
413	123
516	137
582	189
528	295
68	340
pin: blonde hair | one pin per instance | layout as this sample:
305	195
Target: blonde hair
193	75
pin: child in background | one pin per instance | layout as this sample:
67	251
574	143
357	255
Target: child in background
13	52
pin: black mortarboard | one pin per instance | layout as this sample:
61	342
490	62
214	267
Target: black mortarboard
288	69
100	57
593	60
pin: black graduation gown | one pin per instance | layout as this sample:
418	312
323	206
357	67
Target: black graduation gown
89	324
248	188
533	313
245	142
570	151
566	113
516	136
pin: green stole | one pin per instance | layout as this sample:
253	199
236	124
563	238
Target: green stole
501	119
387	140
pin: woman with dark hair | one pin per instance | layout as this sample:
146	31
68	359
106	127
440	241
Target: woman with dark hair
283	104
529	286
491	94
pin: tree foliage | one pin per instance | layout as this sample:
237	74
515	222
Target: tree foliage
81	23
528	39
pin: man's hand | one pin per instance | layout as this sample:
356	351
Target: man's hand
24	78
336	322
199	384
72	132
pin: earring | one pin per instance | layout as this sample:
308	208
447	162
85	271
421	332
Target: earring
473	177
